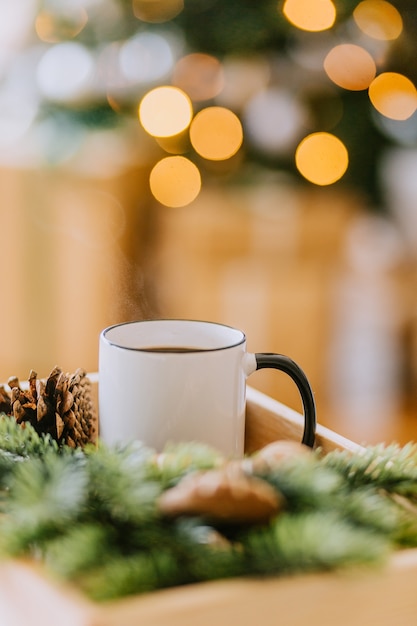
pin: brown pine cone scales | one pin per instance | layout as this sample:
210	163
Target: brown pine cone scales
5	401
61	405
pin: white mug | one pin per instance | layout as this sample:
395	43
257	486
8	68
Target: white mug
164	381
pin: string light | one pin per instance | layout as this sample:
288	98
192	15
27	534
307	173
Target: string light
378	19
310	15
350	66
199	75
146	57
393	95
175	181
52	28
244	77
64	71
216	133
165	111
273	120
157	11
260	96
322	158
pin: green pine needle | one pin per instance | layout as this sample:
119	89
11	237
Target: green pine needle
82	546
365	507
120	488
305	483
131	574
46	494
23	440
389	467
179	459
312	542
92	516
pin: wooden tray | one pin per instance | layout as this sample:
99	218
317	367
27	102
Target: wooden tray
382	598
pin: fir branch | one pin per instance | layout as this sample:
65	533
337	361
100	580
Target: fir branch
405	532
305	483
179	459
83	546
311	542
8	462
179	558
92	514
119	487
392	468
45	495
18	444
204	552
128	575
324	484
23	441
370	509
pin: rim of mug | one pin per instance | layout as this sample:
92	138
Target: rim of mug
173	320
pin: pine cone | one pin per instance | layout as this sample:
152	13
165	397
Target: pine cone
225	495
61	406
275	454
5	401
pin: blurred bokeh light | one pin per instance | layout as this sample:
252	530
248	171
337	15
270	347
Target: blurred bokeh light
146	57
199	75
350	66
322	158
393	95
165	111
216	133
175	181
378	19
278	72
66	24
65	71
274	119
310	15
157	11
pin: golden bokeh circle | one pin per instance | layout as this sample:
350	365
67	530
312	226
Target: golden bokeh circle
350	66
378	19
322	158
310	15
157	11
393	95
216	133
165	111
175	181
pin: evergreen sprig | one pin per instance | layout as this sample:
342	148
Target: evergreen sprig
91	515
120	486
388	474
17	445
45	494
312	541
392	468
180	459
23	441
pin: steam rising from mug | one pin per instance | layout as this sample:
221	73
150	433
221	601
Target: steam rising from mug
164	381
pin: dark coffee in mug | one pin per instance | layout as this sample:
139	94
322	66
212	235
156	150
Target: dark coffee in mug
172	349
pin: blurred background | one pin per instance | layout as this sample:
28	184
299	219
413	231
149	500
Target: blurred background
253	163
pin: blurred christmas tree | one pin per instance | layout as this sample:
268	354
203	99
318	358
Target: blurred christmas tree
286	70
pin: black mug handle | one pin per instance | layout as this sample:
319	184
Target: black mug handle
288	366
